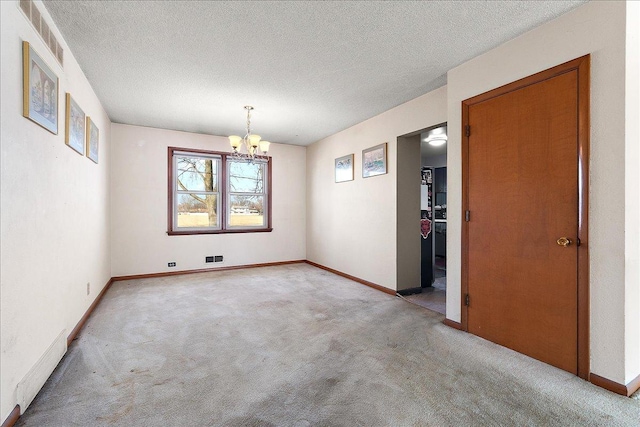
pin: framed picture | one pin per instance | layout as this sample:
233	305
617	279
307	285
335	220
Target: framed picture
374	161
40	90
427	177
75	126
93	135
344	168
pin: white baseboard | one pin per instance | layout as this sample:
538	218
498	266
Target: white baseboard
31	384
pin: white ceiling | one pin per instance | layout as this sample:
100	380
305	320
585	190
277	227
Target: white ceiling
310	68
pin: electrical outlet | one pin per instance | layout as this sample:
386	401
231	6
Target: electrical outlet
218	258
208	259
88	288
172	264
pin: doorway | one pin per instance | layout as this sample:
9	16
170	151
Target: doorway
429	172
525	244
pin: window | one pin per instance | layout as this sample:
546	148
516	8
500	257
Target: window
210	192
247	194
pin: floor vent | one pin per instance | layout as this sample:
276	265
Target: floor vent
31	384
33	14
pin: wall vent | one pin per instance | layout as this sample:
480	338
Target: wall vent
34	16
31	384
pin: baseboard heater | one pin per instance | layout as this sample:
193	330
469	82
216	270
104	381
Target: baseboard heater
31	384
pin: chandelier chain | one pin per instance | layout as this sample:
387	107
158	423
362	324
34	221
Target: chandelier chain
248	122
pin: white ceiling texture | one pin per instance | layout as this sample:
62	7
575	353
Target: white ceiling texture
310	68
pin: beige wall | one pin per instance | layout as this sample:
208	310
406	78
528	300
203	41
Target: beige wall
140	243
54	211
408	239
597	28
351	226
632	193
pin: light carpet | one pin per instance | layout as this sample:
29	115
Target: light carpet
295	345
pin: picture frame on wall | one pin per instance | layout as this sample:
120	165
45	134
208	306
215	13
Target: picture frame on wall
427	177
344	168
40	90
374	161
74	125
93	135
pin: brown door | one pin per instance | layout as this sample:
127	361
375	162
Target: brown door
523	193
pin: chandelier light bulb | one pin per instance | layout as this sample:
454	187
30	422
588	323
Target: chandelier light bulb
254	140
264	146
235	141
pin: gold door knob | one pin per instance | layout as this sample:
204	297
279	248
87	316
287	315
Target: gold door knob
563	241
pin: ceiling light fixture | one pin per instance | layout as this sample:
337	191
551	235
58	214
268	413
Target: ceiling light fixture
436	142
437	137
251	143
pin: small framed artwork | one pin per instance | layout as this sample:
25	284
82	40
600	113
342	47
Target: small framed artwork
75	126
93	135
344	168
374	161
40	90
427	177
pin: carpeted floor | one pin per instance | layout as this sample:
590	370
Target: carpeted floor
297	346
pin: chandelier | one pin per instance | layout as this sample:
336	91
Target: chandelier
253	145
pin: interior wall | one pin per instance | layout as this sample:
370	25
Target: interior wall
140	244
597	28
351	226
632	195
439	161
408	244
54	210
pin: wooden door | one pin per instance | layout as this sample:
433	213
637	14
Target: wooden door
524	190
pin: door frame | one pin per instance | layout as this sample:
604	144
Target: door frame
582	66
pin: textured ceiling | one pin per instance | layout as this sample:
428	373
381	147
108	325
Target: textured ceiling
309	68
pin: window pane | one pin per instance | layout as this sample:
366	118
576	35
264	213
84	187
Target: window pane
246	177
197	210
246	211
196	174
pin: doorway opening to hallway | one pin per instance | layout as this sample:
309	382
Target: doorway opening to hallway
422	156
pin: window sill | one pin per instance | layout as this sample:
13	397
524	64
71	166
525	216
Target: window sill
193	232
